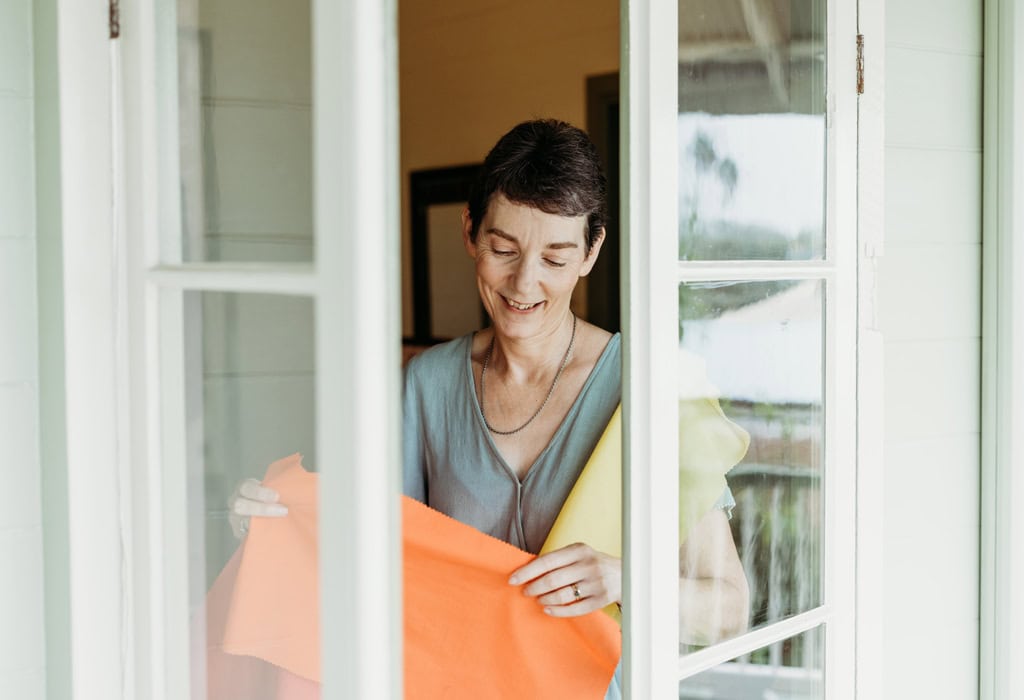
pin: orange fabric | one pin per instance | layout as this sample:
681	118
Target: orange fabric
262	622
468	634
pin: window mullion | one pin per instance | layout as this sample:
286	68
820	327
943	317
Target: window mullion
355	138
649	195
264	278
704	659
841	325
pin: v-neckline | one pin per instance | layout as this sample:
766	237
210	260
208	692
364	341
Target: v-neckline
562	427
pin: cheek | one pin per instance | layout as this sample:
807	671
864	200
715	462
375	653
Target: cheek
562	280
489	271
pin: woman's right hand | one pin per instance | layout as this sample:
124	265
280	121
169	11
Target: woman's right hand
251	498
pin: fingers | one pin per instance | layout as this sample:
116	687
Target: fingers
244	506
584	607
550	561
255	491
251	498
571	593
558	580
593	595
572	581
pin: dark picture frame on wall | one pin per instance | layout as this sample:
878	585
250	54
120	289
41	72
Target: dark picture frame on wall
435	197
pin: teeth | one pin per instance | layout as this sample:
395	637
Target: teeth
518	306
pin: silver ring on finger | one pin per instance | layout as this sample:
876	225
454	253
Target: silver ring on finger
576	591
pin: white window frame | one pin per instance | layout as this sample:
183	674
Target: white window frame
651	275
870	502
1001	674
126	389
100	640
355	141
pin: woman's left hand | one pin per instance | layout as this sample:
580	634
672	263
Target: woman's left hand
571	581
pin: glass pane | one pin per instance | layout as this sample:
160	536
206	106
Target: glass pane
245	130
751	129
750	362
793	669
250	380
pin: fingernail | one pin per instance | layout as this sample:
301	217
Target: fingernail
547	611
279	510
513	580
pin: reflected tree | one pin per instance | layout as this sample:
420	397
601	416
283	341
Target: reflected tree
707	164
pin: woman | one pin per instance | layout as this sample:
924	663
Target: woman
499	424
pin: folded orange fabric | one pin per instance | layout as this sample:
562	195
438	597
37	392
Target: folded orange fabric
261	613
468	634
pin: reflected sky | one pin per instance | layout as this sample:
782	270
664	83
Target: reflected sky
779	161
783	330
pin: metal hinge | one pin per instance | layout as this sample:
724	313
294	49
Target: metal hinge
860	64
115	19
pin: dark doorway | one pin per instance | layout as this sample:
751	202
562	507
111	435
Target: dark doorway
603	126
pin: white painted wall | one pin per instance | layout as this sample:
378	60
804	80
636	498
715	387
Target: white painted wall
22	656
929	302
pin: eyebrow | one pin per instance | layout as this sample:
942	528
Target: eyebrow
551	246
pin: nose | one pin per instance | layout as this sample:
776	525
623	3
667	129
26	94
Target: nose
524	278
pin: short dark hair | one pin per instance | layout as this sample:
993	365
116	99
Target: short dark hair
546	164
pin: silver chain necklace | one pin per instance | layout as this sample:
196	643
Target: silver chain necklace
558	374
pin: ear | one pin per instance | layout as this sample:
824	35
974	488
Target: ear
467	231
588	263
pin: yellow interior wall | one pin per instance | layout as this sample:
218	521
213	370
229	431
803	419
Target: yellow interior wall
471	69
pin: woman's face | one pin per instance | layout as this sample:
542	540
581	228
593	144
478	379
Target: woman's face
527	264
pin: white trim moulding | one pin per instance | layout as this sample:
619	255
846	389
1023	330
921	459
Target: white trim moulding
1001	675
297	279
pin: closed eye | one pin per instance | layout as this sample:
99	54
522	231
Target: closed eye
554	263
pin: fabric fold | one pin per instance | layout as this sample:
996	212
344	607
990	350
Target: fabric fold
468	633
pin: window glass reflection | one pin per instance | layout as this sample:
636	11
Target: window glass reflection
756	349
792	669
245	130
751	129
250	402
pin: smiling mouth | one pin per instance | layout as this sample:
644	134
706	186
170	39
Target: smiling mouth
518	306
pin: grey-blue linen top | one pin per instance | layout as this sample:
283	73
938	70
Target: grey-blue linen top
452	464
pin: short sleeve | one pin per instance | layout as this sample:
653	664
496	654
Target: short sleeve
414	482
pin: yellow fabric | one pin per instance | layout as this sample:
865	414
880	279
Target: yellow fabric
709	446
593	511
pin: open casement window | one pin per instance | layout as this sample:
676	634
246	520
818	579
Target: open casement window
257	138
740	206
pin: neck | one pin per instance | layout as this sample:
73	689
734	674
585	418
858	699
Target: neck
531	359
